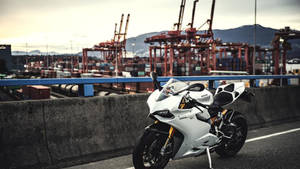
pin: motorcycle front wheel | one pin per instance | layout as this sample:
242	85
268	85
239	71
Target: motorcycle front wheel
147	153
231	147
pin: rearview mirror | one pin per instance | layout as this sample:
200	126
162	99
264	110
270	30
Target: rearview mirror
153	76
196	87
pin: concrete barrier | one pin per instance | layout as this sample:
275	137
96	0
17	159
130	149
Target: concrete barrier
83	129
22	137
270	105
56	133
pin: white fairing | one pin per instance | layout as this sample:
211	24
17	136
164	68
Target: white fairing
238	89
196	132
204	97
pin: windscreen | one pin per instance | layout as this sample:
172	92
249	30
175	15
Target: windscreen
173	85
176	85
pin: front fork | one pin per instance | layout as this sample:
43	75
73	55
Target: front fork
171	133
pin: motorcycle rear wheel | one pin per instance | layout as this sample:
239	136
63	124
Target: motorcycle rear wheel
232	146
147	153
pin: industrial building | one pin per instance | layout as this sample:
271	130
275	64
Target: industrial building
6	64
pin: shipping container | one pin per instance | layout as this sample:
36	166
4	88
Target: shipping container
36	92
140	73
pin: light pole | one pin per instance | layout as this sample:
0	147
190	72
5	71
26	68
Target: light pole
281	61
254	51
26	53
71	55
116	57
46	59
133	48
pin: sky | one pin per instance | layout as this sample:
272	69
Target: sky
70	25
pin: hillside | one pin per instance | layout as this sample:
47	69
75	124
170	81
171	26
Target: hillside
240	34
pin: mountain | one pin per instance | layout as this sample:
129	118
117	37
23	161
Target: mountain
137	45
34	52
244	34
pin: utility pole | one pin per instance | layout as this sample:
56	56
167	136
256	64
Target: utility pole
47	58
133	46
281	67
71	56
26	53
254	51
47	55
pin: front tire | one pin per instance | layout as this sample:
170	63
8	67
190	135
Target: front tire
147	153
232	146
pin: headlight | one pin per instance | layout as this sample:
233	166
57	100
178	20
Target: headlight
164	113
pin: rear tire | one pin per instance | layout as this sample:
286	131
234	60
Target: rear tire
146	154
231	147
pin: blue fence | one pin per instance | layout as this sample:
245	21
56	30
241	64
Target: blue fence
86	83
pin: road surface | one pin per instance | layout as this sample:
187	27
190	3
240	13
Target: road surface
274	147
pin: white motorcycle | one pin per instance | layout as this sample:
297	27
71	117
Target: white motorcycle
190	121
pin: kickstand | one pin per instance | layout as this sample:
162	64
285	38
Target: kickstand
209	158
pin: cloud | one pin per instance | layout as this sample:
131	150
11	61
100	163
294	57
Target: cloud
13	6
92	21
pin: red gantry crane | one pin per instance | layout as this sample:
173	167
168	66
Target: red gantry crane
112	51
280	46
194	52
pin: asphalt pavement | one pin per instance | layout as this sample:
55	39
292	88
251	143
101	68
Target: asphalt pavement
274	147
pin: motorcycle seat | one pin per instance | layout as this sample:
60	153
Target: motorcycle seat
222	98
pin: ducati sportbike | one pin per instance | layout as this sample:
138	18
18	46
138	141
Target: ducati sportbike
190	121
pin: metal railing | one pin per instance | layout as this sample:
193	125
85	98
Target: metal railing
87	83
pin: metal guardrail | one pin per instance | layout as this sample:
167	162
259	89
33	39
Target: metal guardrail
87	83
21	82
